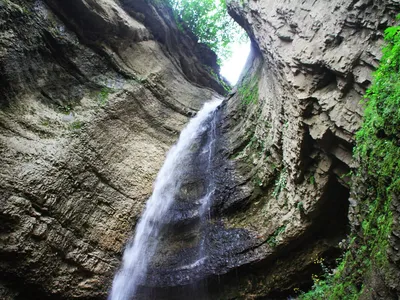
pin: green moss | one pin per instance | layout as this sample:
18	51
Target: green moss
248	90
312	180
65	109
378	152
103	96
300	206
280	183
45	122
256	148
219	79
76	125
272	240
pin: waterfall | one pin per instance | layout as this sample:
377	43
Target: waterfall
169	182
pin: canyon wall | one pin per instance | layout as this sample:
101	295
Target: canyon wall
95	92
290	127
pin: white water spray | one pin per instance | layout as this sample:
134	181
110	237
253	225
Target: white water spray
140	250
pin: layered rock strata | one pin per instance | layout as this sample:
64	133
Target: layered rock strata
93	94
289	129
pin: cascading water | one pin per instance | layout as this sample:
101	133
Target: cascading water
195	143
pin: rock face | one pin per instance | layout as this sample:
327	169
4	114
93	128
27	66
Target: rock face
289	133
93	94
285	148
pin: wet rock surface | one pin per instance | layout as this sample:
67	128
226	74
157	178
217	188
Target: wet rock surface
91	100
291	150
95	92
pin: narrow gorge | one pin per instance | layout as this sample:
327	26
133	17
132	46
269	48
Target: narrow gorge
261	195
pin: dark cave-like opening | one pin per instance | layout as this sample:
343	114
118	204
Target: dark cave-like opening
330	225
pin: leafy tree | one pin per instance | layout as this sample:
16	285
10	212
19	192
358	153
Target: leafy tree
210	22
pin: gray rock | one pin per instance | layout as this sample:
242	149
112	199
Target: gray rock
92	98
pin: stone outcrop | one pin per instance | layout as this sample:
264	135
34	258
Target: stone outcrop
93	94
286	135
289	132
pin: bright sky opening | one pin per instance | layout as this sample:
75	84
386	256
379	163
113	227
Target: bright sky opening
233	66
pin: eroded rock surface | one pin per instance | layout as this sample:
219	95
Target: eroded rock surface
93	94
290	129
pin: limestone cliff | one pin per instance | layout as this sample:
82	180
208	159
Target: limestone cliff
290	129
93	94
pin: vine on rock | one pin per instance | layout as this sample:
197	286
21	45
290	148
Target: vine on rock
378	152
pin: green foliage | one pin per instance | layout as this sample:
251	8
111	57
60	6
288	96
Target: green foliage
65	109
280	183
256	148
257	180
343	283
312	180
300	206
378	147
75	125
210	22
378	151
45	122
272	240
220	80
248	90
103	96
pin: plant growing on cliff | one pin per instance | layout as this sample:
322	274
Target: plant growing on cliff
65	109
76	125
378	151
248	90
220	80
103	96
280	183
272	240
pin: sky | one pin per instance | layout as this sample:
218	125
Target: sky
233	66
